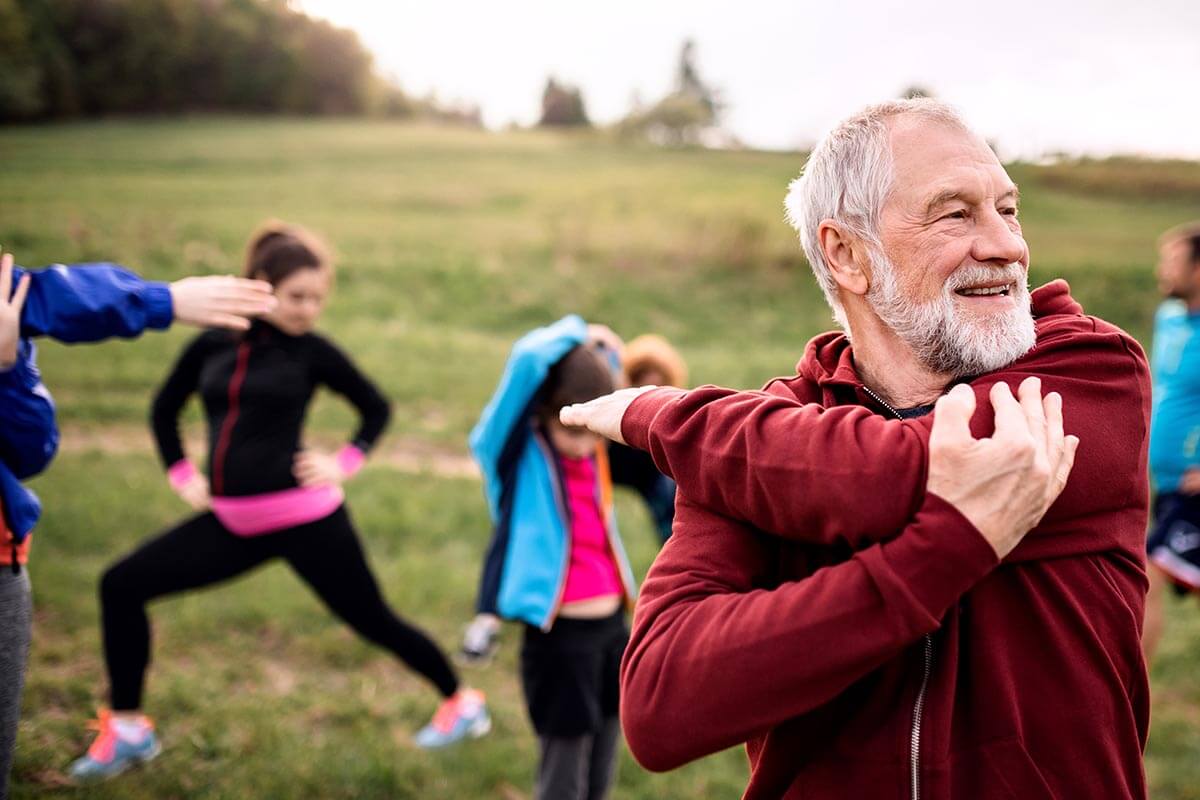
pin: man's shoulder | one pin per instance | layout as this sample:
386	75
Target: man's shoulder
1089	348
1084	334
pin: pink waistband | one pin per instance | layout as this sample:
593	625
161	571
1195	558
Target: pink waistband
266	513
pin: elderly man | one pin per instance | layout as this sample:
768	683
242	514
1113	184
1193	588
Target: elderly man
849	587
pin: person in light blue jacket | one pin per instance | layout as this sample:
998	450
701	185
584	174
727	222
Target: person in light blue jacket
556	562
81	303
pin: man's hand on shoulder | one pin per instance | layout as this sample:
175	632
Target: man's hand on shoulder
1003	483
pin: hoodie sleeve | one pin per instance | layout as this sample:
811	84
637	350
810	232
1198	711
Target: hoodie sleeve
702	670
173	395
92	302
795	469
820	475
335	369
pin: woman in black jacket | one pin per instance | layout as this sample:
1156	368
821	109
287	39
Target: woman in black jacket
264	497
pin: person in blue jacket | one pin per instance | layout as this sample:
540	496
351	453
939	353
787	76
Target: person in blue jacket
80	303
556	562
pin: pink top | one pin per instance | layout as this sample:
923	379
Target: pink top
592	571
256	514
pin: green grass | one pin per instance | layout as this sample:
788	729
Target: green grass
451	243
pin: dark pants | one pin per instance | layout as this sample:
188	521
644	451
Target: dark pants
571	679
16	622
200	552
578	767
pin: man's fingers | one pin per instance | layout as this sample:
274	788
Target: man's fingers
1010	416
604	414
1029	395
952	416
576	416
1070	446
1052	408
18	299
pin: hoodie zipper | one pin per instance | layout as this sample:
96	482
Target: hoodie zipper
231	415
914	741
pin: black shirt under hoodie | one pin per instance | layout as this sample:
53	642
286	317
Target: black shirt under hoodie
256	387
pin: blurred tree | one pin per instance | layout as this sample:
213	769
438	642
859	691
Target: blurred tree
685	116
20	73
915	91
562	105
61	58
689	84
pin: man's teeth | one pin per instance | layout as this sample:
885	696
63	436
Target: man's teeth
985	291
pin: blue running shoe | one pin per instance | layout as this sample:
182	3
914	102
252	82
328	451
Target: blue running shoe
464	715
110	754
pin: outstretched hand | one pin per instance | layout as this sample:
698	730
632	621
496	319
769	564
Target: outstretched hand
602	415
220	301
11	304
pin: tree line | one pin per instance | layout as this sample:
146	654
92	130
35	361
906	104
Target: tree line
71	58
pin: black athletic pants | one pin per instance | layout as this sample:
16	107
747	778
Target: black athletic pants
326	554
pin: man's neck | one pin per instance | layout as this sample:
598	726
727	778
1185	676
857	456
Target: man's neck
890	369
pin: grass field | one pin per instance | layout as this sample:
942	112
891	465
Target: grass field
451	243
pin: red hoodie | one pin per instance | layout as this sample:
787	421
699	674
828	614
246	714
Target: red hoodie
859	634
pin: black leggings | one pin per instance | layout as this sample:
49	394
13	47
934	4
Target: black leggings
326	554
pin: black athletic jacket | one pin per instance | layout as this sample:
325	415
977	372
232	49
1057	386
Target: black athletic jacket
256	387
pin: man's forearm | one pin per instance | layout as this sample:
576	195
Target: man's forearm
798	470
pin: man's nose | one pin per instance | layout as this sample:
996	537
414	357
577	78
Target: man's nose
996	242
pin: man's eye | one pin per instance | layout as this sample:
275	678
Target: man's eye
1010	211
960	214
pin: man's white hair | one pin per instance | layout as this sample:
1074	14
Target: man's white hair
848	178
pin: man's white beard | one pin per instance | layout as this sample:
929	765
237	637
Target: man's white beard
941	340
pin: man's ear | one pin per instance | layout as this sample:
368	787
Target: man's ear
846	255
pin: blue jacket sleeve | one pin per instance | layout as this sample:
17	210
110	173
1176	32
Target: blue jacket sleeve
28	433
528	364
92	302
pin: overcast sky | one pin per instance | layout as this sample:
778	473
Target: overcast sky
1034	76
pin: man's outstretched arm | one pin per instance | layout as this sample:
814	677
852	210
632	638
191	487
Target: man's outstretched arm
819	474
